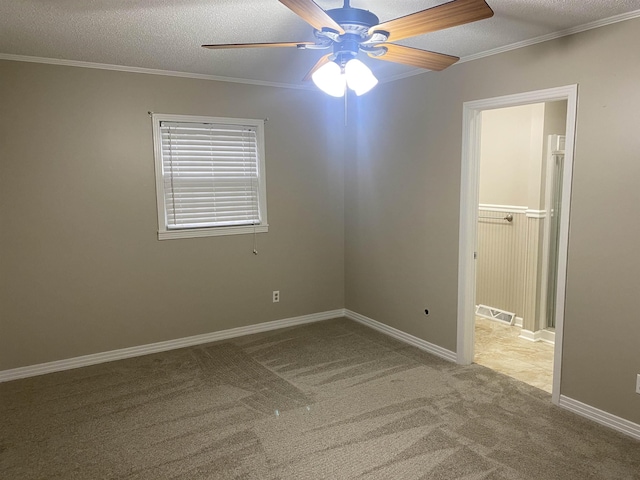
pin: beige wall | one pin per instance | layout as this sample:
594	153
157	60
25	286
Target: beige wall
555	123
81	268
510	152
402	204
513	152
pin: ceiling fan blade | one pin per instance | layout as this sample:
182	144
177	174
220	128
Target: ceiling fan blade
311	13
256	45
321	62
415	57
451	14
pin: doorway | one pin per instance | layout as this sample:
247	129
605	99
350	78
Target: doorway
517	240
472	114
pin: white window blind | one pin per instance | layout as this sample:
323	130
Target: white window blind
211	175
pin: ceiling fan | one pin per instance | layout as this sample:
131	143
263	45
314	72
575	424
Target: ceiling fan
348	31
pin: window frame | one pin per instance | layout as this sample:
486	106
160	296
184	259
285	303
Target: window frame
165	233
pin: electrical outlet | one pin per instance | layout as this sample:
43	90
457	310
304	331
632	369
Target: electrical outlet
638	384
276	296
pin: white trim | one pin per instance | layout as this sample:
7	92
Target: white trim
412	73
548	336
468	215
488	207
110	356
529	335
527	43
164	233
147	71
554	35
519	322
536	213
545	336
468	233
563	234
211	232
525	98
600	416
95	358
402	336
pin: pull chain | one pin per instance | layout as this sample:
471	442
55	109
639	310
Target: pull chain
255	240
346	105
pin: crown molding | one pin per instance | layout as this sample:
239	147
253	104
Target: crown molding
146	71
201	76
526	43
552	36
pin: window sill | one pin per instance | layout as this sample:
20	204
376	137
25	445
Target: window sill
211	232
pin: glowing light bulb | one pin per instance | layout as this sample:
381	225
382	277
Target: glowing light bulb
330	79
360	79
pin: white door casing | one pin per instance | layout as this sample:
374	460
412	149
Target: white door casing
470	163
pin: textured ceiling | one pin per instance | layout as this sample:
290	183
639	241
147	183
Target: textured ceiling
167	34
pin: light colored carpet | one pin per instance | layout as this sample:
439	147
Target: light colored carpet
331	400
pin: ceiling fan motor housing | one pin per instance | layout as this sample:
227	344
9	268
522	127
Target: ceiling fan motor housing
356	23
346	49
353	17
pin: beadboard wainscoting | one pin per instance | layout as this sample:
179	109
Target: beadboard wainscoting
501	263
508	269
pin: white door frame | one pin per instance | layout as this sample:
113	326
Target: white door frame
469	215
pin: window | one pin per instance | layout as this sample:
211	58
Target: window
209	176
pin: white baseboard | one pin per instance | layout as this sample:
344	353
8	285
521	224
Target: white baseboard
601	417
519	322
529	335
402	336
540	336
95	358
548	336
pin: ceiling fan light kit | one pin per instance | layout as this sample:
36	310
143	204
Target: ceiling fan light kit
360	78
330	79
349	31
333	79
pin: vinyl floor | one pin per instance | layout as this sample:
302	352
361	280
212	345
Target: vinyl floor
498	347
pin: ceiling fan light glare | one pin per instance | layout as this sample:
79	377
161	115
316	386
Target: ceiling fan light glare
330	80
360	79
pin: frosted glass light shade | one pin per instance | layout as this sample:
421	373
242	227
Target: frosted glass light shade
360	79
329	79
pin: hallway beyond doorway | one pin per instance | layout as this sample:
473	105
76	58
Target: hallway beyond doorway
498	347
